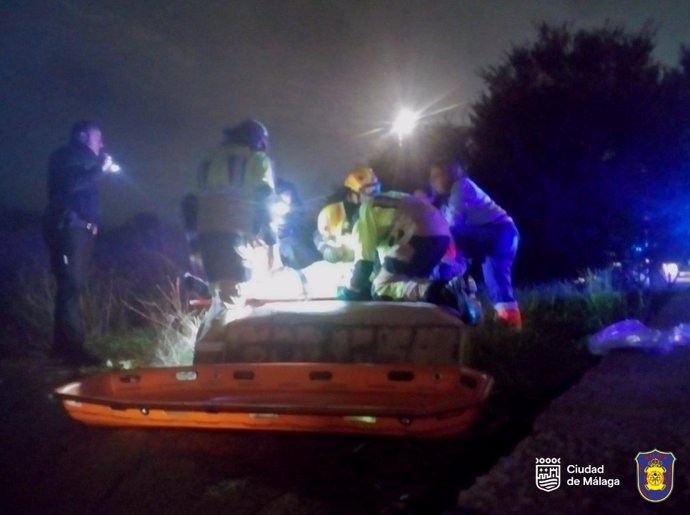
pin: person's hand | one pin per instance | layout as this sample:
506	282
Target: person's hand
332	254
351	295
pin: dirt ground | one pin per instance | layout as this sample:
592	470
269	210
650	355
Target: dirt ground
631	402
52	464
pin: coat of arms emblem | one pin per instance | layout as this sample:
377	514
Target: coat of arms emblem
548	474
655	474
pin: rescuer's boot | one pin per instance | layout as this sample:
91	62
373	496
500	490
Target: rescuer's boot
458	295
509	314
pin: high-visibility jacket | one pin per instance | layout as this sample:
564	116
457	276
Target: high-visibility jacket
392	219
236	183
332	221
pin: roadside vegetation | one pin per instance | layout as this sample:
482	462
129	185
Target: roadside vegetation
136	312
534	365
129	320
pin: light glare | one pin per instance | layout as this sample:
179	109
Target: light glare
405	123
671	272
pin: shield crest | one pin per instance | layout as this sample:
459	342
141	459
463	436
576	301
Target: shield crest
548	476
655	474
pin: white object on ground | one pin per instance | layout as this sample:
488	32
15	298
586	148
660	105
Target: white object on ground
633	334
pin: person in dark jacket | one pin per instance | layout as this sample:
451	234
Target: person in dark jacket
292	227
70	226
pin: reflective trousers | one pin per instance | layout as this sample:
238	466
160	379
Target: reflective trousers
406	270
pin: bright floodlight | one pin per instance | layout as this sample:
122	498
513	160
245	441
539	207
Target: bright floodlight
404	123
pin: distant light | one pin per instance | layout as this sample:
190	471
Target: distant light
671	271
114	168
405	123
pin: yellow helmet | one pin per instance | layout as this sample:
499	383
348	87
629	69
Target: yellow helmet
331	219
360	177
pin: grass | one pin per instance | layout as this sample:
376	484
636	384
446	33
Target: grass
127	316
550	353
175	326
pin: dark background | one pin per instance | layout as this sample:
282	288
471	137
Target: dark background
164	78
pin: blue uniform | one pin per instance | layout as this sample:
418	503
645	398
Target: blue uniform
483	230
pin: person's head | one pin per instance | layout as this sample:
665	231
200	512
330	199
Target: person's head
253	134
422	193
89	134
362	184
443	174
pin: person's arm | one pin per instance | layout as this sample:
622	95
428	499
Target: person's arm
260	181
77	174
259	171
365	237
456	214
365	234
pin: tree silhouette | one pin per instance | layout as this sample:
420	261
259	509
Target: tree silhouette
583	137
567	137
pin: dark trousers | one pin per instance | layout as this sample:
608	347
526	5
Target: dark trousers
222	256
70	254
495	245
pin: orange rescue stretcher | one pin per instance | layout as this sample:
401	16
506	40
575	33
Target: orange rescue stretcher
426	401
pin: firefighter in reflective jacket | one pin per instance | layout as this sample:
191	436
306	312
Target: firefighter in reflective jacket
335	221
410	238
237	186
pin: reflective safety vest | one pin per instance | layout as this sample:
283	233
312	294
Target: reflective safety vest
231	179
393	218
332	220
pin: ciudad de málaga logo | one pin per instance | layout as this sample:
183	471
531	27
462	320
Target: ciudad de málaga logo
548	475
655	471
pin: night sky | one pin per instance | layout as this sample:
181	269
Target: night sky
164	77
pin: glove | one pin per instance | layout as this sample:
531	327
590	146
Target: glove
331	254
348	294
361	277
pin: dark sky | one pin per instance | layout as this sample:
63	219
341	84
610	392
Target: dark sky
163	77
